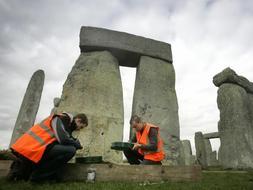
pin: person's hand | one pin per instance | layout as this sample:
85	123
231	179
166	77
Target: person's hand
79	146
136	146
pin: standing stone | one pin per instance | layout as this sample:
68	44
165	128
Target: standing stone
186	157
235	127
56	105
155	101
211	157
94	87
201	153
29	106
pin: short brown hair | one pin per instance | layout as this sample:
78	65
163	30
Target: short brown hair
135	118
83	118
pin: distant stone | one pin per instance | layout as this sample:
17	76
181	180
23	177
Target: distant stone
201	154
229	76
56	104
211	135
186	158
127	48
211	156
30	105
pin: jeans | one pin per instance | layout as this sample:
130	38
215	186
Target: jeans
134	157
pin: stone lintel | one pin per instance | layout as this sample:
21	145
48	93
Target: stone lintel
229	76
211	135
127	48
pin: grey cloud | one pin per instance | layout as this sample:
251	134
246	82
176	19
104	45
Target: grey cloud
206	37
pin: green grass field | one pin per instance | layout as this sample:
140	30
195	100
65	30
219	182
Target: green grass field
210	180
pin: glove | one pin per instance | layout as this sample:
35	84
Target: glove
78	144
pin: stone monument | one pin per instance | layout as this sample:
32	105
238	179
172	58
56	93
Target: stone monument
94	87
235	102
30	105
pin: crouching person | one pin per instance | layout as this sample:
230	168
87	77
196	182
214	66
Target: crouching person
148	145
46	147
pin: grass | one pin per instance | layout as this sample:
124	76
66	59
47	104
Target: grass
210	181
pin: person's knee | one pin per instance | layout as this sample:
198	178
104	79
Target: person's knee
127	152
71	151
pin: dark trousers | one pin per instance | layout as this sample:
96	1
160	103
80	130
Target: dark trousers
134	157
52	160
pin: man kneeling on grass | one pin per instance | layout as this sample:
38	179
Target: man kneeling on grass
46	147
148	145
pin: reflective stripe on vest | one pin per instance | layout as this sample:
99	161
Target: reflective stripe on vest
33	143
36	137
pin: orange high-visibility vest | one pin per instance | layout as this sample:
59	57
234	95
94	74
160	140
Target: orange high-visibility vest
142	138
33	143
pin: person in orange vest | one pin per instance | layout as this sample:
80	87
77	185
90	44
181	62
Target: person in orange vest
46	147
148	145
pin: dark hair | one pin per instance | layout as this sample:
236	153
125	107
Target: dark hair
83	118
135	118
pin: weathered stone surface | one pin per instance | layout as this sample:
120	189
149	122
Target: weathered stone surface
211	157
201	154
127	48
94	87
155	101
235	127
186	158
30	105
211	135
229	76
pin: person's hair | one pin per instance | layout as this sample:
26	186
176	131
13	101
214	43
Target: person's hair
136	119
83	118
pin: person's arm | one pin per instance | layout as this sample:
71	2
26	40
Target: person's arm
133	139
152	146
62	136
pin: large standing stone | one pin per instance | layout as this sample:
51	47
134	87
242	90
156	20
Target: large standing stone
30	105
235	127
94	87
186	157
155	101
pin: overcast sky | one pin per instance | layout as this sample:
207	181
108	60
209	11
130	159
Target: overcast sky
206	36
